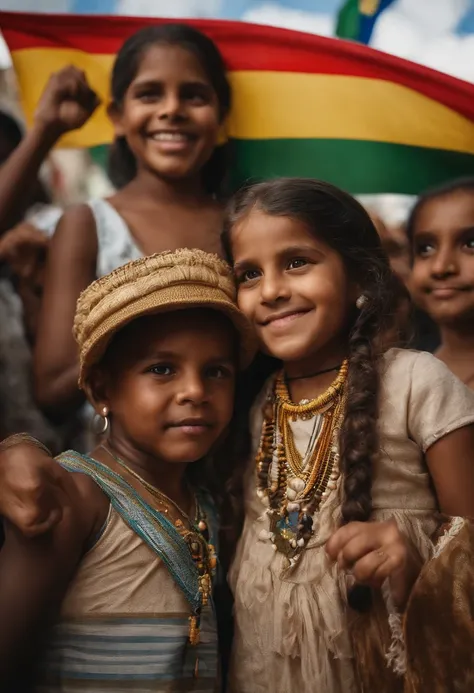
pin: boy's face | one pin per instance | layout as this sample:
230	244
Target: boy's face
170	384
442	280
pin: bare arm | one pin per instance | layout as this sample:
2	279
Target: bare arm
34	576
70	269
66	104
451	464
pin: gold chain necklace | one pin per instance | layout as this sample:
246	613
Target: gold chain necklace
293	501
153	490
288	412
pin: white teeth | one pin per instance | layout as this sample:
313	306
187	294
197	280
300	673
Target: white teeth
169	137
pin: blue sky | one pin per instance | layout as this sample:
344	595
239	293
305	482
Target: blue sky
438	33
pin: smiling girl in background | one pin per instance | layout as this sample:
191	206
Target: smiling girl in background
170	96
441	233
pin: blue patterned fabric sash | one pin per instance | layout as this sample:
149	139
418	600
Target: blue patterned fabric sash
151	526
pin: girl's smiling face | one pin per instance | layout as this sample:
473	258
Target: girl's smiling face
294	288
168	382
170	114
442	279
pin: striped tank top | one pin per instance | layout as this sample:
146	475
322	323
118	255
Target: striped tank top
124	621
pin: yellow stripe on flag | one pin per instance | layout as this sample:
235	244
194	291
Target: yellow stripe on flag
277	105
306	106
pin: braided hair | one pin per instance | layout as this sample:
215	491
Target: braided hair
340	221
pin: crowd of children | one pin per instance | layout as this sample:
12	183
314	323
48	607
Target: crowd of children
257	420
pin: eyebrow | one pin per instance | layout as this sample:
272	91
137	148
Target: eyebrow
430	233
300	249
172	355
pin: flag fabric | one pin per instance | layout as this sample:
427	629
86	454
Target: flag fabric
304	105
357	18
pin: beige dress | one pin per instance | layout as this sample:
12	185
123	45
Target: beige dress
291	633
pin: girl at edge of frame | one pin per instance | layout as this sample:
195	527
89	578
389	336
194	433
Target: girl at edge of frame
129	568
441	237
170	97
356	449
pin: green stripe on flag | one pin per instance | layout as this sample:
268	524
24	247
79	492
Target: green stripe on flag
358	166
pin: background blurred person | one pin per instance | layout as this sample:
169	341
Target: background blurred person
27	220
441	233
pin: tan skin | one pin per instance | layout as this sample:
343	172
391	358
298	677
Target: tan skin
442	279
165	205
168	387
294	288
66	104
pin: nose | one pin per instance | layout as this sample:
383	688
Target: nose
273	288
444	263
171	106
191	389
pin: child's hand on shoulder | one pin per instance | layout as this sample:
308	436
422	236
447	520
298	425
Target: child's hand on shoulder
34	489
373	552
67	102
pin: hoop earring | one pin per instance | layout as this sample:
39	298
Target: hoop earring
101	423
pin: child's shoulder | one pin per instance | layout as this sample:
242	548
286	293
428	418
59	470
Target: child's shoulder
416	368
89	503
431	399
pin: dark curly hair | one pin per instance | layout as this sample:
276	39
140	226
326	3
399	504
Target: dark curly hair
122	167
340	221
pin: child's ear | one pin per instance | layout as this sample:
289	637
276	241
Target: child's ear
115	115
97	389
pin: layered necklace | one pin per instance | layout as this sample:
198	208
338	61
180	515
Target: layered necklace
194	532
294	485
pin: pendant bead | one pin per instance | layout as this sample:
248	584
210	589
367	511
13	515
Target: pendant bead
297	484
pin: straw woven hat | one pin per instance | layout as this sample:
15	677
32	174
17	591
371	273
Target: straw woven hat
159	283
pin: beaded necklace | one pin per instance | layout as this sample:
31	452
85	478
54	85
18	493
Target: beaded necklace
294	494
196	536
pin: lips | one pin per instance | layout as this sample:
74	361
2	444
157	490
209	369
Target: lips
281	320
171	141
447	291
170	136
191	426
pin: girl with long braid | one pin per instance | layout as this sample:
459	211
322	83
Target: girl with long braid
345	432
